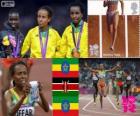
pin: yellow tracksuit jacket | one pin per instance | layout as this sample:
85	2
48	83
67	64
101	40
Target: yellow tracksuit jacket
67	43
32	42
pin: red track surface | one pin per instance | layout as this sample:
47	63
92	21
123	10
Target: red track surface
133	36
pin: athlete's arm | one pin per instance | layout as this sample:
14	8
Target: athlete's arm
112	69
105	3
42	101
122	6
12	109
93	70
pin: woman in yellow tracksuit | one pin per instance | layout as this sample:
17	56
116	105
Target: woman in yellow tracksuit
42	39
74	42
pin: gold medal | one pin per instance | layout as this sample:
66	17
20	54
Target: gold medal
75	53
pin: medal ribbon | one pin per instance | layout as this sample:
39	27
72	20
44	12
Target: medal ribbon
15	48
77	45
44	47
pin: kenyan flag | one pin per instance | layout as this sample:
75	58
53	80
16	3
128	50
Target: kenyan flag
65	88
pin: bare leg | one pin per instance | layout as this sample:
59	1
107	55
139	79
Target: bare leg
110	27
95	92
117	94
106	88
101	101
104	91
115	26
101	95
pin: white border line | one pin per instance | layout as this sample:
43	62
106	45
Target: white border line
126	37
100	32
95	7
139	33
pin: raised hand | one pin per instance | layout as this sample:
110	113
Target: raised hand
26	88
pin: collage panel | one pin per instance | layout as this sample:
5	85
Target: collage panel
109	87
44	29
65	87
28	83
115	27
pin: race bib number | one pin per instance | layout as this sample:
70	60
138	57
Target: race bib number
102	74
25	111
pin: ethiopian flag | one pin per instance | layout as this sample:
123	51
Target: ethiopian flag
65	87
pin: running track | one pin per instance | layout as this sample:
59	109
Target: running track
88	108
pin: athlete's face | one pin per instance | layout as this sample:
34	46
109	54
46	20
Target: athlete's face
20	75
43	18
101	66
75	14
14	20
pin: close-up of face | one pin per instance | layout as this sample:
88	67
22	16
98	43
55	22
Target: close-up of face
75	14
20	75
43	18
14	20
101	66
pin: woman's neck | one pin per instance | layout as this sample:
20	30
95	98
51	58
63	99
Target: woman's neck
44	28
76	24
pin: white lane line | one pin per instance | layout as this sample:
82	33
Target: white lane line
104	113
87	104
112	103
126	37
